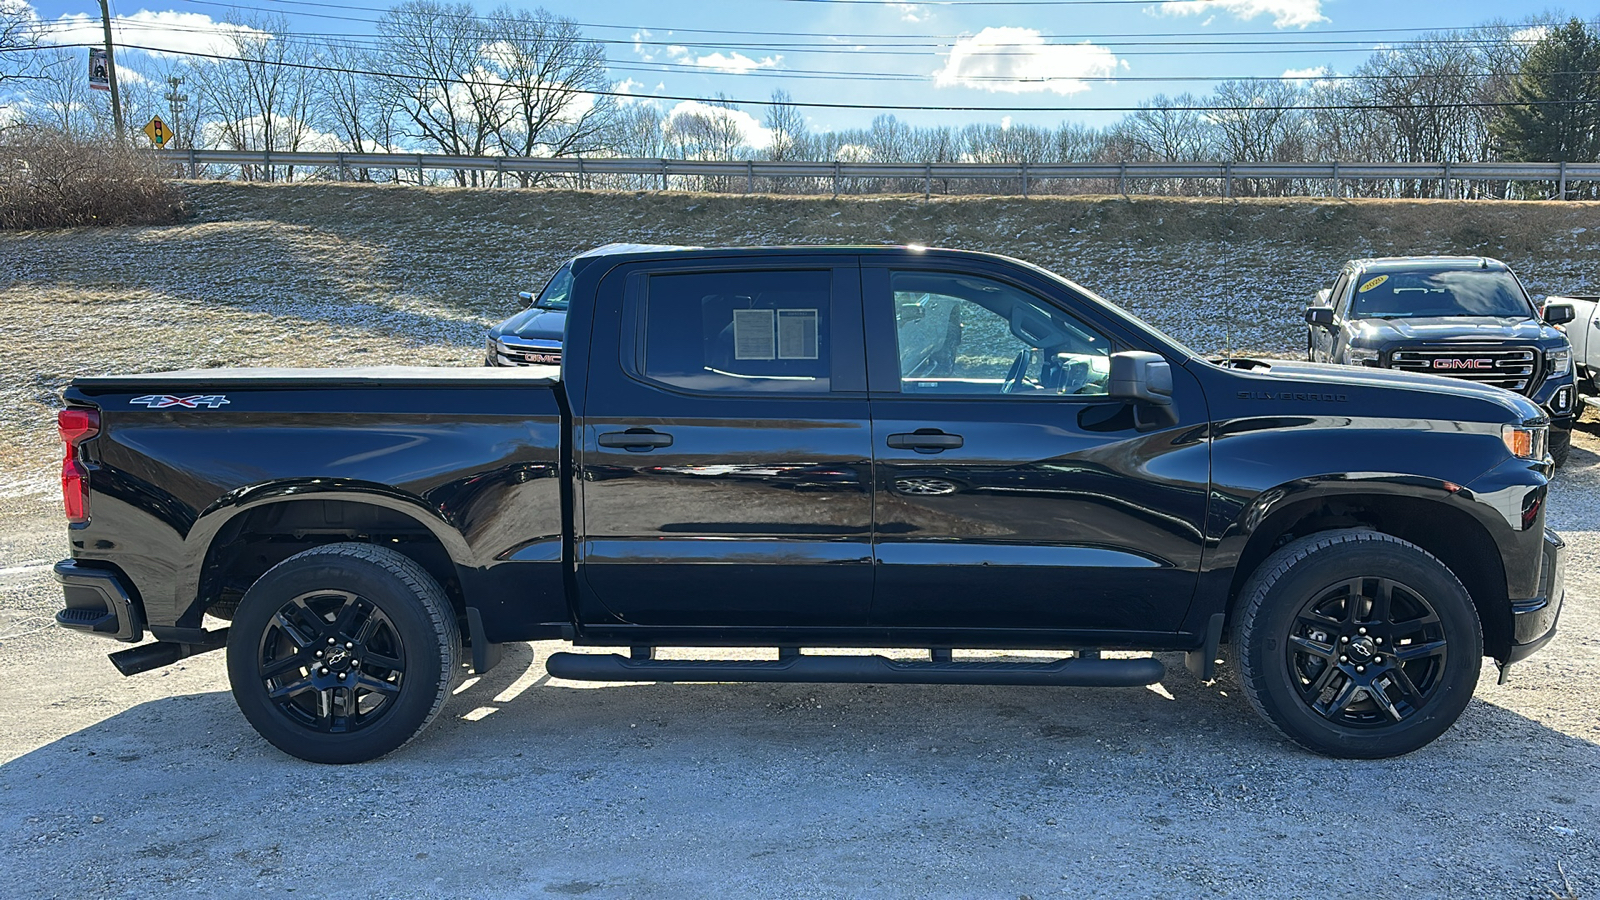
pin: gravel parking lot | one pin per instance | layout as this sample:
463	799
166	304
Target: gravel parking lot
154	786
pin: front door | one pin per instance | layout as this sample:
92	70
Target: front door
726	479
1012	492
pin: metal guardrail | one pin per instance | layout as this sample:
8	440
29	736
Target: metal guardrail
1025	173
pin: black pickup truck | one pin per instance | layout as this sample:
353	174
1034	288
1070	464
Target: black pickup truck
1462	317
798	448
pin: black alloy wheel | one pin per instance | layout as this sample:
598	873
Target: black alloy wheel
1367	652
1355	643
342	653
331	661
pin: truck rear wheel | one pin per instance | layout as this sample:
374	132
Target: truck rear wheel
342	653
1357	644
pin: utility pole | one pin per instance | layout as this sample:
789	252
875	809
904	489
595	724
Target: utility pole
175	103
111	72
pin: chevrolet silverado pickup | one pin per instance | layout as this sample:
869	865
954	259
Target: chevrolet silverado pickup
1461	317
937	451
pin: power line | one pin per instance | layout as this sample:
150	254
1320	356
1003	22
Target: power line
837	35
668	67
859	49
864	106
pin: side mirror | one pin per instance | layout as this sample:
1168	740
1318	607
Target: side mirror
1142	377
1560	313
525	297
1319	315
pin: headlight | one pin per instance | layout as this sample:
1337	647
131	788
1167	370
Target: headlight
1560	361
1361	356
1526	441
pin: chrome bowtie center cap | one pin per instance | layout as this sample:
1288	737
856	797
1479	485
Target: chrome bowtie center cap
336	656
1362	648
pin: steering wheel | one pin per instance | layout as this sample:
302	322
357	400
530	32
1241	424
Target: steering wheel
1015	380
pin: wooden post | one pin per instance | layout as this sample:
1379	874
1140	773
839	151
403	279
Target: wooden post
927	181
111	73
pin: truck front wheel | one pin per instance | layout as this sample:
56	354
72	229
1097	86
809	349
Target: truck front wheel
1560	445
1357	644
342	653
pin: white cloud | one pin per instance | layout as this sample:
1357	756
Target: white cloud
1531	35
1306	74
1017	60
911	12
735	63
1284	13
167	32
754	134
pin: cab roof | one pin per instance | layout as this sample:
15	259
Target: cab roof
1428	263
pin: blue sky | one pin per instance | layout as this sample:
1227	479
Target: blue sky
1110	53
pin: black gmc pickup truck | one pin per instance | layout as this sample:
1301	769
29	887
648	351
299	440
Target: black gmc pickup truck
818	447
1458	316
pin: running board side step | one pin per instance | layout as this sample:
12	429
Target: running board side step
1071	672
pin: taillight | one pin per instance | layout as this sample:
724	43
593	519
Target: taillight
76	426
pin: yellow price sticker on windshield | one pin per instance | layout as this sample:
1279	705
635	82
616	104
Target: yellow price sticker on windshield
1372	283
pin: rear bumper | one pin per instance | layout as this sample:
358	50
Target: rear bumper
98	602
1533	621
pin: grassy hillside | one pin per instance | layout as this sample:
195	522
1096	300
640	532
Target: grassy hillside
348	274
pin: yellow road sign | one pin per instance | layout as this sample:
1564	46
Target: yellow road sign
158	132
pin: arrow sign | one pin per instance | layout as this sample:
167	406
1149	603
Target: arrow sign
157	131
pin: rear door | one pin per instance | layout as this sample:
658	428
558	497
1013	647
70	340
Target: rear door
726	471
1012	492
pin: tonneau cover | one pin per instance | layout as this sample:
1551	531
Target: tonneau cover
365	376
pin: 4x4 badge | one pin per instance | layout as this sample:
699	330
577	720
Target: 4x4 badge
162	401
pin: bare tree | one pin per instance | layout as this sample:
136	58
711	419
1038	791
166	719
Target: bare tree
260	100
431	55
59	98
788	127
551	75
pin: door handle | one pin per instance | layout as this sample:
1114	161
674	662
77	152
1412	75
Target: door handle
925	440
635	440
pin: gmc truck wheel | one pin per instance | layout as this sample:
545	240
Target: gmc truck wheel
1357	644
1560	445
342	653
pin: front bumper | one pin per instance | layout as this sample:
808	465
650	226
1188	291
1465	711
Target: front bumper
1558	397
523	352
98	602
1533	621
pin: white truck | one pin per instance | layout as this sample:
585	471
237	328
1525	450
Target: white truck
1583	332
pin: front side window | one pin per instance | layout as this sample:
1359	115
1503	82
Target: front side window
763	331
961	334
556	293
1337	298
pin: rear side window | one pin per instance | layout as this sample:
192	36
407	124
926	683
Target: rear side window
739	332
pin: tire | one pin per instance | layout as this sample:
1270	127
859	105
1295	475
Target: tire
1300	640
1560	445
342	653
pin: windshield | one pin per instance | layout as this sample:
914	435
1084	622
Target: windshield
1452	292
554	295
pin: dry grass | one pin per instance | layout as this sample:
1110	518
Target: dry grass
51	180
